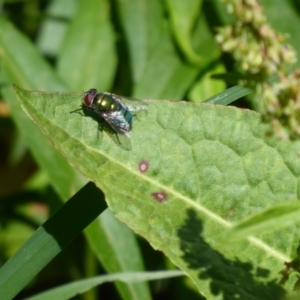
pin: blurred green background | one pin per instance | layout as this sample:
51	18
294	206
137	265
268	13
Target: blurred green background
140	48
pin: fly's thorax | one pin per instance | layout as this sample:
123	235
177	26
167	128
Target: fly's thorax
105	102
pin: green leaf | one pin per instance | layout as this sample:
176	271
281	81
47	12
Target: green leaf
158	57
294	297
193	170
206	86
134	16
68	291
23	70
183	16
50	239
107	236
228	96
53	28
272	219
88	55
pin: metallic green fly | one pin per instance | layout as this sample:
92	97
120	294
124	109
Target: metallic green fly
116	111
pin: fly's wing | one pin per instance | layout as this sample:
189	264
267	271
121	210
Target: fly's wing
110	122
117	121
134	105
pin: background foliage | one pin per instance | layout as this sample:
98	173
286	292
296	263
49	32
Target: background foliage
146	49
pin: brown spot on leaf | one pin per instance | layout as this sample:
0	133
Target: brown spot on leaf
160	196
143	166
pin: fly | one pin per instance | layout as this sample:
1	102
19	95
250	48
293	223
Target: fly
117	111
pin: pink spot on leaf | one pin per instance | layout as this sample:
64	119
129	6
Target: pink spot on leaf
143	166
160	196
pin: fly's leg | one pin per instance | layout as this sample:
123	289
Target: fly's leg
81	109
76	110
117	138
100	127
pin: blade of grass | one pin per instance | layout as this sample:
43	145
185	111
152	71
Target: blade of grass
228	96
269	220
53	236
68	291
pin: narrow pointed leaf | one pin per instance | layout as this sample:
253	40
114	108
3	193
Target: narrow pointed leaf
175	76
135	16
270	220
53	27
68	291
107	236
53	236
228	96
88	56
23	70
183	17
29	70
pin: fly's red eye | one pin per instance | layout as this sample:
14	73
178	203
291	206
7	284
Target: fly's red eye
88	99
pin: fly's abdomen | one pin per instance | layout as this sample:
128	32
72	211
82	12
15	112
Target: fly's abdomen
126	113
